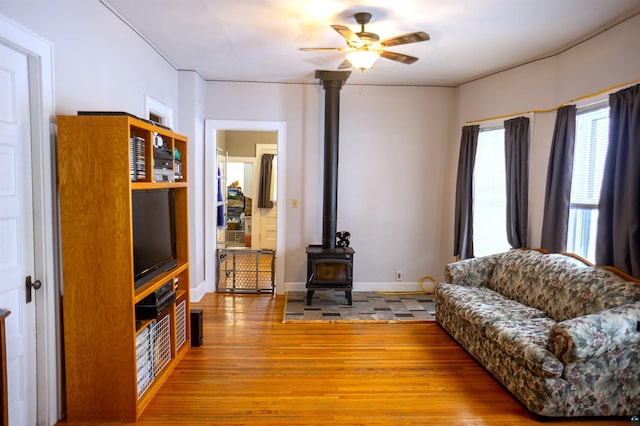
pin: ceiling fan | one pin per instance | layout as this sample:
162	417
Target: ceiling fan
364	48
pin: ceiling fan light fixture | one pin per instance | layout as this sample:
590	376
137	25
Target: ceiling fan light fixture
363	59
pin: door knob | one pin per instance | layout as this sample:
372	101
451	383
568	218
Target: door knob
31	284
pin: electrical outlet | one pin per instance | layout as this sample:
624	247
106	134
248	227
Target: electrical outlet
398	275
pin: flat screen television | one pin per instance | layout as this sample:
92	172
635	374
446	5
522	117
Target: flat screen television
154	234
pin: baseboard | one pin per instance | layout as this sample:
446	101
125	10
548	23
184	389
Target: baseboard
391	286
198	292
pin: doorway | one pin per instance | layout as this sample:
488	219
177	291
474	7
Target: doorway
214	129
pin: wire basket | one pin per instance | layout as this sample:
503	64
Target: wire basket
153	352
181	324
162	344
144	359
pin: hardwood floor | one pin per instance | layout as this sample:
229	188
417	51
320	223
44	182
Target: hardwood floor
254	370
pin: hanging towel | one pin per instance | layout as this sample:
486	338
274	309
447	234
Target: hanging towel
220	211
264	187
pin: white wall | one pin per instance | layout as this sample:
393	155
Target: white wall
99	62
393	157
610	59
191	116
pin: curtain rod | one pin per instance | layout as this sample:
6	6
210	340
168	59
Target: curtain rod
542	111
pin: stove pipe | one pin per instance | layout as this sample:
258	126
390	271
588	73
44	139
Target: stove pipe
332	82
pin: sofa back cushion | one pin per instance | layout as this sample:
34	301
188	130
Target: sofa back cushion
517	275
562	286
591	289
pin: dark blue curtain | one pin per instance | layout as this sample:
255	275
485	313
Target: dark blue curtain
618	237
516	149
557	198
463	233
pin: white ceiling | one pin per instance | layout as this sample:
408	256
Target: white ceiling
259	40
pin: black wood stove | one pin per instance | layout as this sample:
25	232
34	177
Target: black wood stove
330	267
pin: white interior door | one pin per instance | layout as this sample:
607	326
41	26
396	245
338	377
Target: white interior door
265	227
16	235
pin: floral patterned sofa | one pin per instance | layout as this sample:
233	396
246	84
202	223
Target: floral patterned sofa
558	333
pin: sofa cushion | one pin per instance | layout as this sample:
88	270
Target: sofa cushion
526	342
481	306
482	314
473	272
516	274
459	293
582	293
515	268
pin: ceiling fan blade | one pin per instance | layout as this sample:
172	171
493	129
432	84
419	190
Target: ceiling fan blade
344	65
400	57
405	39
321	49
345	32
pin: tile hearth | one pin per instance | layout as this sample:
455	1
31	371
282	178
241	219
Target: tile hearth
367	306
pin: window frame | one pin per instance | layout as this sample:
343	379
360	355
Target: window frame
583	216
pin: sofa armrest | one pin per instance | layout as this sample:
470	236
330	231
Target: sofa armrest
474	272
592	335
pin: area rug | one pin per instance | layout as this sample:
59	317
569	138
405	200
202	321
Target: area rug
331	306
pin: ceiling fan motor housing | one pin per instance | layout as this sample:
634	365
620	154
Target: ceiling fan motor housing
362	18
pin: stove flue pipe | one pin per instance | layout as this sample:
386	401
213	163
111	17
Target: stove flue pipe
332	82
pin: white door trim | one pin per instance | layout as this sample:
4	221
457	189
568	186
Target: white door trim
211	127
40	54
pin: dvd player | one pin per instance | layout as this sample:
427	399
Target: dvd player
158	294
155	304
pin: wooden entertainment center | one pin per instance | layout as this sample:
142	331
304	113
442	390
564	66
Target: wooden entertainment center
115	363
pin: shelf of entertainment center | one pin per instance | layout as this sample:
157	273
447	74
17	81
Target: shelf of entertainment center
157	185
153	285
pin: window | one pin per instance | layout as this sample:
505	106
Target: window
490	199
158	112
592	139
